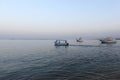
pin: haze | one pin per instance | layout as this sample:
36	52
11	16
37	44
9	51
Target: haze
51	19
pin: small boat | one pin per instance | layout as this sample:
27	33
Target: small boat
108	40
61	43
79	40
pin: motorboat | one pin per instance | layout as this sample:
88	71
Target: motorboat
108	40
79	40
61	43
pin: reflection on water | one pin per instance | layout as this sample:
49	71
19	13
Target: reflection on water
41	60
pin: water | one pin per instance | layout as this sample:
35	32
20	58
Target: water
41	60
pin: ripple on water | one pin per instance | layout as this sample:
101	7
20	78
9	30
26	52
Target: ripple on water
34	62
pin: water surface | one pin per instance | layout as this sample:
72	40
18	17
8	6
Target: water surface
41	60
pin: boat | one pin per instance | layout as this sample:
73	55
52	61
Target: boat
108	40
79	40
61	43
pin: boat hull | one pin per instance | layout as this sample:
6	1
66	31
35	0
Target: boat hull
67	44
79	41
108	42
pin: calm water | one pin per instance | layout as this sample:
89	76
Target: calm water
41	60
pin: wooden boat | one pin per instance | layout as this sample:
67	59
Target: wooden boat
108	40
79	40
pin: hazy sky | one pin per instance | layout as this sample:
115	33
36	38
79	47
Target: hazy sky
53	18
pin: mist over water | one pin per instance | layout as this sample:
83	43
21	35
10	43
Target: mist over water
28	29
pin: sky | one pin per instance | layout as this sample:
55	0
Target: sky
47	19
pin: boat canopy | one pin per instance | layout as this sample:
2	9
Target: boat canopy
61	43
